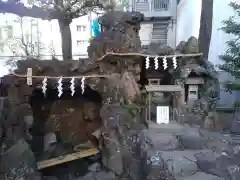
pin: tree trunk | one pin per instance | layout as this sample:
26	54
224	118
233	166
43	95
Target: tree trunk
205	31
66	39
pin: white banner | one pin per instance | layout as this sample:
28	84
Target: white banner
162	114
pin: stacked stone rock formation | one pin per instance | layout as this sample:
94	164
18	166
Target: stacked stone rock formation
127	150
201	111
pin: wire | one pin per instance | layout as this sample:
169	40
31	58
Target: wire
150	56
57	77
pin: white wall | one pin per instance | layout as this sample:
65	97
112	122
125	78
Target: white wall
171	35
145	33
188	19
81	36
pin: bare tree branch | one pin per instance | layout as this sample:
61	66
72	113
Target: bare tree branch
22	39
62	10
73	9
35	11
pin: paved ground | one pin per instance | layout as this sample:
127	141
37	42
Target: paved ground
172	126
177	152
193	153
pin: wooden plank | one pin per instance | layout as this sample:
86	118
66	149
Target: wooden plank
194	81
164	88
29	76
66	158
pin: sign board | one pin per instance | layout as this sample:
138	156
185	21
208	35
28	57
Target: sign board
193	92
29	76
162	114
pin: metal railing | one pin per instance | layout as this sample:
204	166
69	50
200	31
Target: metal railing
151	5
160	5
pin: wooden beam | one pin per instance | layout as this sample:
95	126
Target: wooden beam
164	88
194	81
66	158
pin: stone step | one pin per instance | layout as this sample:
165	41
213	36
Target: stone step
173	126
199	176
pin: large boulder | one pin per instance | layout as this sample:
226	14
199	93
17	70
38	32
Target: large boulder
120	138
235	127
157	49
18	162
191	46
120	34
223	166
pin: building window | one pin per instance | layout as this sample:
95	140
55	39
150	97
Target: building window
81	28
80	42
6	32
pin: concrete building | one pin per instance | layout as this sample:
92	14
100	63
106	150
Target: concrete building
43	36
160	23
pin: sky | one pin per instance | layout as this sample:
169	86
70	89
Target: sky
3	68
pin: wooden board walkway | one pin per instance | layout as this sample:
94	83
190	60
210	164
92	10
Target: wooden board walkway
66	158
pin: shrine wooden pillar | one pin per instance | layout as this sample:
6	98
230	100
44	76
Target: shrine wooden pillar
163	88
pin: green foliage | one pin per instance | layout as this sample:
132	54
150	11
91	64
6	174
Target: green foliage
132	109
6	32
135	108
231	57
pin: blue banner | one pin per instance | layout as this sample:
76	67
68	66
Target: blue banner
96	28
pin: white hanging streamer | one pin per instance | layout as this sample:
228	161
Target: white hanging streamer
60	88
174	62
44	86
72	86
165	63
147	65
156	62
83	84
